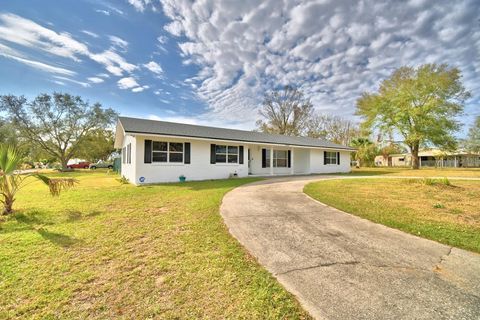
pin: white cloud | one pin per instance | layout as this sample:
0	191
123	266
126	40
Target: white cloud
118	42
26	33
139	5
332	50
83	84
127	83
90	33
95	80
140	89
105	12
12	54
154	67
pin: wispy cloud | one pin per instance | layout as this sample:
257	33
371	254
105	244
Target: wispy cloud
27	33
105	12
118	42
10	53
90	33
154	67
83	84
95	80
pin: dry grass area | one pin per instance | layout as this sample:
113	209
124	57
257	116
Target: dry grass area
423	172
110	251
428	208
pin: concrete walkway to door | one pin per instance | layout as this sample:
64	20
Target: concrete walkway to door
343	267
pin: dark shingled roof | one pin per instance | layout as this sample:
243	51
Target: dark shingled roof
134	125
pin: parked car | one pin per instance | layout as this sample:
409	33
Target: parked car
101	164
79	165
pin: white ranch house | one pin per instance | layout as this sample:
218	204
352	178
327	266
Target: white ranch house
158	151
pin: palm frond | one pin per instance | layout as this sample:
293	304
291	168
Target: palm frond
9	159
57	185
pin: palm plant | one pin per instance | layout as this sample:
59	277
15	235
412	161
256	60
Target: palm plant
11	181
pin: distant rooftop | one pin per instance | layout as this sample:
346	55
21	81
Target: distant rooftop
134	125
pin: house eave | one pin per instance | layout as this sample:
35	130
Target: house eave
236	141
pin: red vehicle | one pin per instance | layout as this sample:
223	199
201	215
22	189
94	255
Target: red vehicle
80	165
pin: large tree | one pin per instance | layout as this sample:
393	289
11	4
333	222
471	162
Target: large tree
285	112
56	123
332	128
97	145
419	104
473	139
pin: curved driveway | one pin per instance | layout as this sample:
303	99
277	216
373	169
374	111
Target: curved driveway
343	267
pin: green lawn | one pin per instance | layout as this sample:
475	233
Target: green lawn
423	172
107	250
448	214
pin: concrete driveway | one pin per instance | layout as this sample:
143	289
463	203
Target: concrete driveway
343	267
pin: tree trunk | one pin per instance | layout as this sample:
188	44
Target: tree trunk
8	206
415	160
63	162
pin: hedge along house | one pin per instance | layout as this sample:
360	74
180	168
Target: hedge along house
158	151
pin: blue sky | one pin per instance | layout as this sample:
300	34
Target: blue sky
210	62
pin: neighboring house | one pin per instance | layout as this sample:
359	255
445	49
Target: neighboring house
157	151
432	158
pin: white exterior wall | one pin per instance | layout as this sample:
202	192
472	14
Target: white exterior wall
128	169
301	161
199	168
317	166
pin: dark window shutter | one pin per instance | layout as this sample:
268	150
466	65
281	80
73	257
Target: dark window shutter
264	158
338	157
148	152
289	158
324	157
187	153
240	155
212	154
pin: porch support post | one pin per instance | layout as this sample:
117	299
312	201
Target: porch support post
271	161
292	150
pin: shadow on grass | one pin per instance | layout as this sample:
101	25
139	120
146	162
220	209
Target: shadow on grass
33	221
57	238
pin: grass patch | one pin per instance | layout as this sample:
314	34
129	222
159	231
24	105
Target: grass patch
423	172
430	208
108	250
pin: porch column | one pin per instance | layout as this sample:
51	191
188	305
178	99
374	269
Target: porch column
271	161
455	163
291	160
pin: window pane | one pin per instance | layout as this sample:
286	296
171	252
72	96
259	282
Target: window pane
176	157
232	150
281	163
282	154
175	146
159	146
220	158
232	158
159	157
220	149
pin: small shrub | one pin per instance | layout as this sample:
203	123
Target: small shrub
428	181
438	206
123	180
445	181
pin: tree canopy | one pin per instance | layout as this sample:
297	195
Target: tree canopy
473	139
56	123
285	112
419	104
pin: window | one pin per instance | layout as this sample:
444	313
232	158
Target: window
330	157
129	153
280	158
167	151
226	154
175	152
